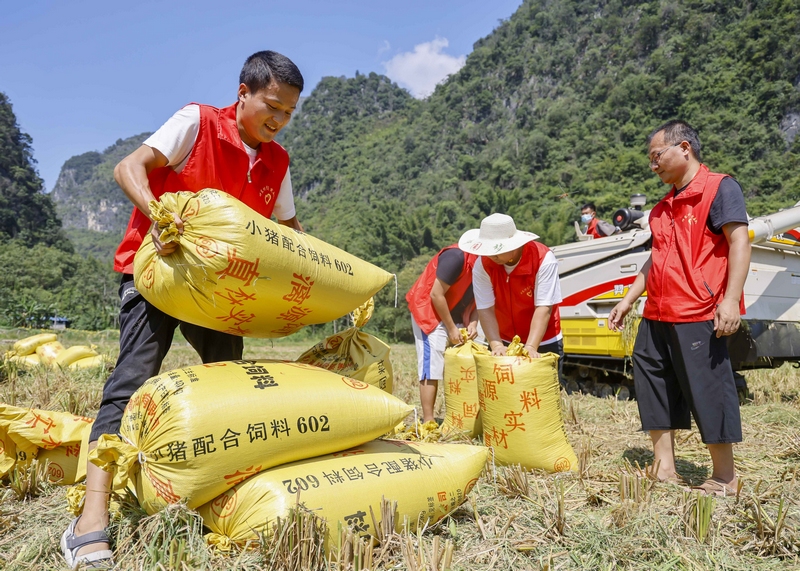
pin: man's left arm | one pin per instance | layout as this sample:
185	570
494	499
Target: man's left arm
293	222
539	321
284	204
546	294
727	318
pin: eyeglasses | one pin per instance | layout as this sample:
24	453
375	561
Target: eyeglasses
657	157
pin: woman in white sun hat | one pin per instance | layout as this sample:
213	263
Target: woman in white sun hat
516	287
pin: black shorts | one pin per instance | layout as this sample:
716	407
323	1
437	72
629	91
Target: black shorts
145	336
683	368
556	347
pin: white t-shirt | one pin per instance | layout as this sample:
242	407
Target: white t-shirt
546	292
175	140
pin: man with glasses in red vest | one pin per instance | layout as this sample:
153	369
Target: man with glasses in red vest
231	149
694	281
517	290
441	302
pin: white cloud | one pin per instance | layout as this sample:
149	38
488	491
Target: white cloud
420	70
385	47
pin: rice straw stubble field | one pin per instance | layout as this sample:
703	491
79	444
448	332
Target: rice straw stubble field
603	517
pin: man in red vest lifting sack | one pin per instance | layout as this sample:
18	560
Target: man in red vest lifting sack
231	149
694	280
516	285
440	301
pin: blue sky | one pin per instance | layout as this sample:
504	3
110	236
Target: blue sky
82	74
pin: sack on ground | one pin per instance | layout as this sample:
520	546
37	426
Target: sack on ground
355	354
520	402
49	351
48	436
462	409
24	361
88	362
238	272
194	432
427	480
28	345
68	356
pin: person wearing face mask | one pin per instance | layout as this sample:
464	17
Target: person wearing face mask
593	225
231	149
516	288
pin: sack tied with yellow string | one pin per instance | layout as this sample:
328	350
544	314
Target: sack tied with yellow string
58	438
192	433
462	409
238	272
520	400
354	353
427	480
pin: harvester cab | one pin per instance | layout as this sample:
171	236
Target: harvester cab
596	273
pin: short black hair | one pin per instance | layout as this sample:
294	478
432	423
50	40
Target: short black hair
261	68
589	205
676	131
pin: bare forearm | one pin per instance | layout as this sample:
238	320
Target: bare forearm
489	324
638	286
132	179
440	305
539	321
131	175
738	265
292	222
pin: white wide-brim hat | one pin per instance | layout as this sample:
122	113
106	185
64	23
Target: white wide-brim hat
497	235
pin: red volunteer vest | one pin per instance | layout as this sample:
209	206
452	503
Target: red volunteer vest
513	294
689	271
219	161
592	228
419	296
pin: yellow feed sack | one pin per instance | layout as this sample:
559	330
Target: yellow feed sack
49	351
354	353
25	360
74	353
238	272
427	481
461	388
521	411
57	437
193	433
88	362
29	344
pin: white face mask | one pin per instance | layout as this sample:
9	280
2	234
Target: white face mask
586	218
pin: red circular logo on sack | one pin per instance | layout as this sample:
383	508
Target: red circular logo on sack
224	505
470	485
55	473
148	276
562	465
356	384
206	247
333	343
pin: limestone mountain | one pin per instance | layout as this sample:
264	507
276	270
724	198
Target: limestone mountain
26	213
86	194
